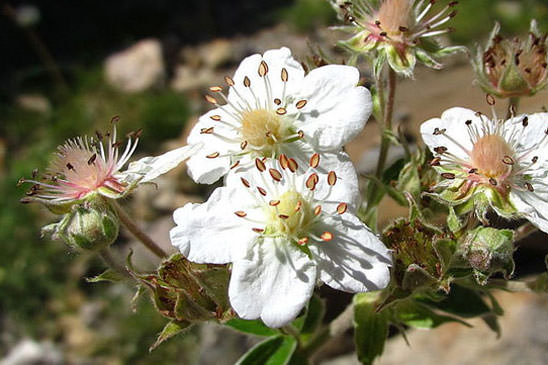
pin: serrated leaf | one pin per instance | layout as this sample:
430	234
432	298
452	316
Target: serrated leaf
254	327
417	315
370	327
272	351
107	275
171	329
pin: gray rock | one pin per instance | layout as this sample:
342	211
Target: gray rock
30	352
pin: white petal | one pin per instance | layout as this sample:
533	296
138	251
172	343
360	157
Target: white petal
453	121
355	260
533	206
531	135
274	282
336	109
211	232
150	168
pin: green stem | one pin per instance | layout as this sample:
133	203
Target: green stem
112	263
137	232
387	122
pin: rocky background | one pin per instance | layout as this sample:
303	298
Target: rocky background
70	66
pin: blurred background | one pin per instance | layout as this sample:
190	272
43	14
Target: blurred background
69	66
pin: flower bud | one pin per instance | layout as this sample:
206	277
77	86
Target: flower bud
513	67
92	225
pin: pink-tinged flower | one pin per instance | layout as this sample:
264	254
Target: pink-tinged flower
513	67
498	163
84	166
273	108
401	31
283	227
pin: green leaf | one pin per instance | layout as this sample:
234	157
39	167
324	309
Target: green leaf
254	327
171	329
370	327
462	302
453	222
313	319
272	351
418	315
107	275
491	320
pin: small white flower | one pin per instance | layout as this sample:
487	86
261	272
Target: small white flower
272	108
85	165
283	227
506	160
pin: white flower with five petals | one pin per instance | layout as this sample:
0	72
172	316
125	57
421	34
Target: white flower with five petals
272	108
505	161
283	228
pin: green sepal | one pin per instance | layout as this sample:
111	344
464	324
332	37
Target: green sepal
170	330
276	350
107	275
370	327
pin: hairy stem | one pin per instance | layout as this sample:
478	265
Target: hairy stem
112	263
137	232
387	122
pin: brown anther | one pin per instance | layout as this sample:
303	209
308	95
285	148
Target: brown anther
490	99
401	28
473	171
327	236
215	89
284	162
273	203
21	181
314	160
69	166
383	34
261	191
468	122
115	119
206	130
492	181
292	165
260	165
331	178
281	111
435	161
243	145
438	131
448	175
99	135
258	230
440	150
300	104
317	210
215	117
277	101
284	75
245	182
302	241
341	208
247	82
276	175
378	23
525	121
92	159
235	164
534	159
453	3
229	81
25	200
213	155
116	144
240	213
529	187
508	160
138	132
298	206
283	216
453	14
311	181
263	68
210	99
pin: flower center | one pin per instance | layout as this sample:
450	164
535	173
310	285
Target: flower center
489	154
393	15
261	128
290	214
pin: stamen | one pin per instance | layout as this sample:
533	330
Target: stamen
240	213
300	104
492	181
302	241
277	101
213	155
341	208
529	187
260	165
273	203
245	182
247	82
317	210
276	175
281	111
435	161
258	230
292	164
90	161
314	160
235	164
448	175
243	145
327	236
206	130
263	69
215	89
331	178
210	99
229	81
311	181
440	150
284	162
284	75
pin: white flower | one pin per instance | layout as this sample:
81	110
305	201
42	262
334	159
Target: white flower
85	165
272	108
283	227
506	160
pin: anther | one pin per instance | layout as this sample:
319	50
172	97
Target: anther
21	181
298	206
508	160
492	181
435	161
114	119
292	165
240	213
92	159
215	117
247	82
138	132
245	182
525	121
277	101
300	104
302	241
327	236
378	23
283	216
116	144
311	181
273	203
534	159
301	133
438	131
403	29
243	145
341	208
258	230
25	200
468	122
210	99
473	171
263	68
229	81
69	166
213	155
317	210
448	175
529	187
99	135
260	165
34	173
261	191
276	175
314	160
331	178
281	111
490	99
284	75
206	130
383	34
440	150
215	89
284	162
235	164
